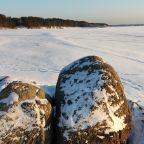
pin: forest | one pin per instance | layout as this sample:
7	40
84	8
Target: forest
38	22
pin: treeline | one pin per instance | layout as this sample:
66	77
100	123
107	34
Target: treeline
38	22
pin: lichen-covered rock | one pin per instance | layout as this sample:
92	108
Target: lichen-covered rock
25	115
91	104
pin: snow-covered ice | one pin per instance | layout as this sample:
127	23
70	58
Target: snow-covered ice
39	54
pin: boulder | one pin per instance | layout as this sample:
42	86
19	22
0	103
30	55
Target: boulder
25	115
91	107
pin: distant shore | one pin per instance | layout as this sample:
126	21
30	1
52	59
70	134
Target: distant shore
38	22
125	25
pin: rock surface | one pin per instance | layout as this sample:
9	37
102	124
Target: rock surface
91	104
25	115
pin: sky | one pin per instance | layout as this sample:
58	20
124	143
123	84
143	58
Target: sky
107	11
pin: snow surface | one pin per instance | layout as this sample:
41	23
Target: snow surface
4	81
39	54
137	134
13	97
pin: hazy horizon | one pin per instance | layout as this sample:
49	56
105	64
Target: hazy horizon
104	11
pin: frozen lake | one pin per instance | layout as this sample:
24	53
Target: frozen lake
39	54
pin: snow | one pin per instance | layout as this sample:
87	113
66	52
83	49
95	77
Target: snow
13	97
4	81
16	117
49	90
117	123
74	91
89	118
137	135
39	54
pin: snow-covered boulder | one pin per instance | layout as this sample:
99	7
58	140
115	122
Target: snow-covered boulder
25	115
91	106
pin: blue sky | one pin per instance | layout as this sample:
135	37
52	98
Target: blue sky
109	11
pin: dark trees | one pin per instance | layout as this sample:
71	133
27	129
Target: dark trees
38	22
